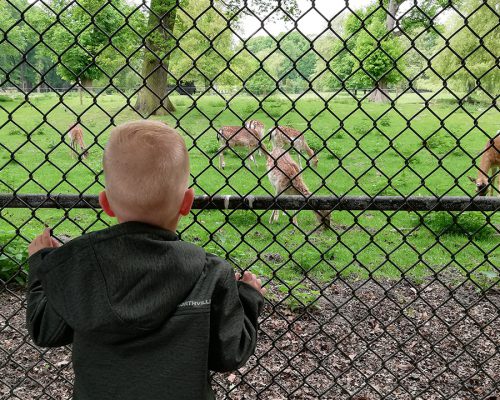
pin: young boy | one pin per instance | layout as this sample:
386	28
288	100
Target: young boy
148	315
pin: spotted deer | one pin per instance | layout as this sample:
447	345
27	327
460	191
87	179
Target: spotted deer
286	137
237	136
490	160
76	138
257	127
285	176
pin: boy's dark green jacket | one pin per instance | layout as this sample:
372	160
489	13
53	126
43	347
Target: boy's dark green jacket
148	315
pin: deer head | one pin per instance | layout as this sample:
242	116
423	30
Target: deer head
481	185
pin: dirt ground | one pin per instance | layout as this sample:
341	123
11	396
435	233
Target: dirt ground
364	341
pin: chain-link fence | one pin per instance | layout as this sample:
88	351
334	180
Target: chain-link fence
372	114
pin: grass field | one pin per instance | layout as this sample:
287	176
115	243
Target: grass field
409	150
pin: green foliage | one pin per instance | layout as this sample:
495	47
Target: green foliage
13	256
88	51
261	83
210	44
5	99
378	53
470	57
338	66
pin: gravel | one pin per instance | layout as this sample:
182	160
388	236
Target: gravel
363	340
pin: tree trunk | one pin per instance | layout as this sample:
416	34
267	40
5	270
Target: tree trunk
153	96
84	83
379	93
391	14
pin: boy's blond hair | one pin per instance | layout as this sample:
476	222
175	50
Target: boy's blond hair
146	168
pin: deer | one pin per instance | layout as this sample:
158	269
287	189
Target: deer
237	136
257	127
490	160
284	136
76	138
285	176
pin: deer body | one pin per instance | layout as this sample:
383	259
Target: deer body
284	175
286	137
76	139
237	136
490	160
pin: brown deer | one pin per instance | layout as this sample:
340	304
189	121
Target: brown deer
257	127
76	138
284	137
237	136
285	176
490	160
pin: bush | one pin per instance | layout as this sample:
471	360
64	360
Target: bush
261	83
13	256
5	99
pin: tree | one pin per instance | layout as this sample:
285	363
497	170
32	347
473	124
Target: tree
161	43
377	44
203	52
20	48
469	61
89	39
334	64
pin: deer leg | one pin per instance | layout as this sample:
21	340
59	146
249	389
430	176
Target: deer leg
252	157
498	181
495	176
276	213
72	144
222	163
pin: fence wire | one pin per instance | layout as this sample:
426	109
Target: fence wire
360	123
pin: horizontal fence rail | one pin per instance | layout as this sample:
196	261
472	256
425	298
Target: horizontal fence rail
234	202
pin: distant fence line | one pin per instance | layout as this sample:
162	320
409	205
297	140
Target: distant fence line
116	89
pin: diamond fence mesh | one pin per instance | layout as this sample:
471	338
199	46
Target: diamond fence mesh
370	114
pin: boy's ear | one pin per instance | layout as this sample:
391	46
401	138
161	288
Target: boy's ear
104	202
187	202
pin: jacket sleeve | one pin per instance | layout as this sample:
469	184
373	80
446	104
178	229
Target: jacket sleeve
235	309
45	326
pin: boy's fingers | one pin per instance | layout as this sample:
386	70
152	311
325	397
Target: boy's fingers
237	276
45	237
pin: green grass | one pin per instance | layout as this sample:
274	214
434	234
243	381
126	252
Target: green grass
348	140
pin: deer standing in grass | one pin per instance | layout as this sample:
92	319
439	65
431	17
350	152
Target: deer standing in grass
285	176
237	136
490	160
76	138
286	137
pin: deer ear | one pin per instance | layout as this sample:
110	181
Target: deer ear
472	179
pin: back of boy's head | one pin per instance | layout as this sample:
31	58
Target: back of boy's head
146	168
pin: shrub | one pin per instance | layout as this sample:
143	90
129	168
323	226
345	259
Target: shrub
5	99
13	256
